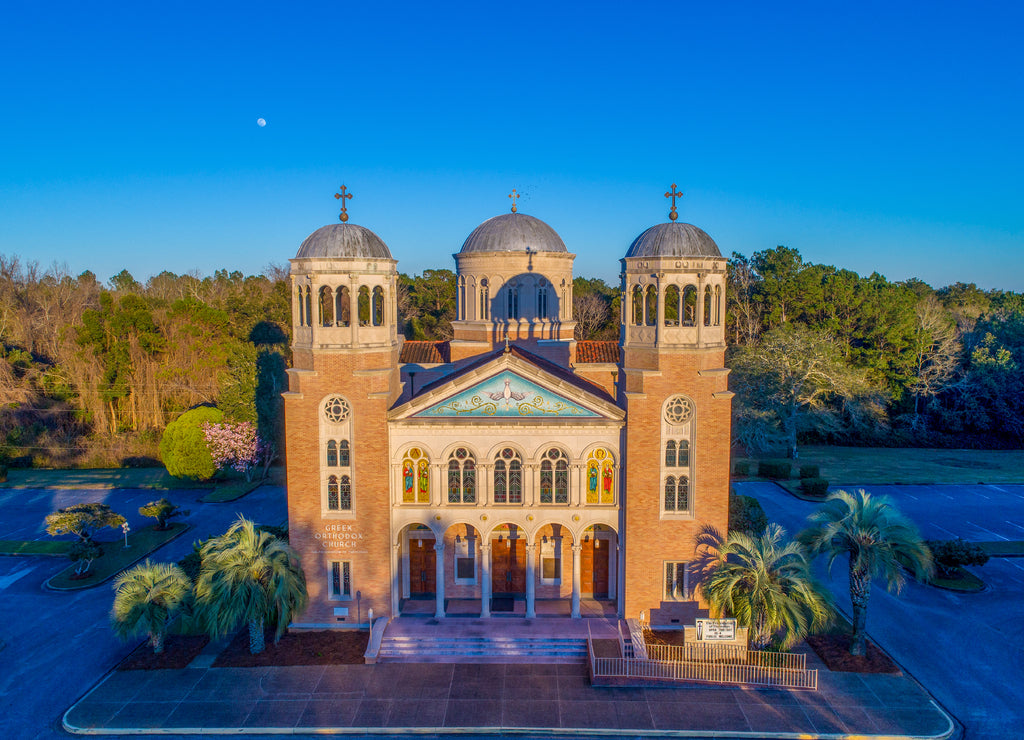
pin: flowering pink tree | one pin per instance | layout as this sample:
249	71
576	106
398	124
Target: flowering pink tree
235	446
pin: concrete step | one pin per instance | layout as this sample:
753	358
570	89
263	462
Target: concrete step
403	648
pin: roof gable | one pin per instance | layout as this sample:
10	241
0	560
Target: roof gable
511	384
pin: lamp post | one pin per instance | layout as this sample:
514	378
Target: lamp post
126	529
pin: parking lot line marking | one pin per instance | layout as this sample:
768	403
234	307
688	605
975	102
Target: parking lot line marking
1015	525
1003	490
979	493
945	530
1018	566
994	534
7	580
910	495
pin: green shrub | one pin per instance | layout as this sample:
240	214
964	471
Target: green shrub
3	472
742	467
193	562
162	510
746	514
774	469
183	446
814	487
810	471
949	555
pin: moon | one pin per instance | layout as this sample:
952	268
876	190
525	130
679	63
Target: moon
261	122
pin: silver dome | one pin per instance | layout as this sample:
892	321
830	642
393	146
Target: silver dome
343	240
673	240
513	232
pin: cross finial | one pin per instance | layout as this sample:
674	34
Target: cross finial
514	196
343	217
506	340
673	195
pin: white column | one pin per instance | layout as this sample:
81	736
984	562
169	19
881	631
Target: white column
531	556
576	550
439	588
485	579
396	579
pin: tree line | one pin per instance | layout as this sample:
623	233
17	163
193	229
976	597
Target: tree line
91	373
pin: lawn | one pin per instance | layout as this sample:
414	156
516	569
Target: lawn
845	466
155	478
116	557
34	547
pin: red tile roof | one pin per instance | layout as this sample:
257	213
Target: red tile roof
425	353
594	351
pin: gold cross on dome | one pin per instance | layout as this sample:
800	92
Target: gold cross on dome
344	208
514	196
673	195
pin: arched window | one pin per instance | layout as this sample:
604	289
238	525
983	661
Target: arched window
332	454
342	307
638	305
689	306
462	477
309	306
707	305
326	305
485	301
670	493
672	305
554	477
460	307
508	477
601	477
513	302
345	491
333	494
683	493
718	305
683	458
363	306
542	302
670	454
302	308
415	477
651	305
378	306
343	456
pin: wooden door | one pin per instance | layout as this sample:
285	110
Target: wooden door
508	566
594	568
422	567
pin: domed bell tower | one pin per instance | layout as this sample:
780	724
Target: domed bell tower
344	379
673	385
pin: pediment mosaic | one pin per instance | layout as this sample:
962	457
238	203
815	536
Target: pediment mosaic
507	395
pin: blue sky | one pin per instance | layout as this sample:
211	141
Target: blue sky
873	136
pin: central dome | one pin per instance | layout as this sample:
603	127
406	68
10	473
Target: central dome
343	240
674	240
513	232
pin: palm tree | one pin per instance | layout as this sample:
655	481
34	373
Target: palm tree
878	540
147	599
764	583
249	576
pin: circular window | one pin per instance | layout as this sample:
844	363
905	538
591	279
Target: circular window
336	409
678	410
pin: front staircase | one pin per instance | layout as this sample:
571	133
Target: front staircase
481	649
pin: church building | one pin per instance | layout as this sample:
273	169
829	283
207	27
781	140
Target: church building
512	471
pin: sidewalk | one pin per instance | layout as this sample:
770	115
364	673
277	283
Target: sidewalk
394	698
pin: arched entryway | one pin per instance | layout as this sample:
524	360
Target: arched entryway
508	551
598	569
417	569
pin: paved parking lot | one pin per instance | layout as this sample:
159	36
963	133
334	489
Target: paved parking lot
967	649
59	644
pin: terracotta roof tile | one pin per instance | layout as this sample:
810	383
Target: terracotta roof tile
425	353
594	351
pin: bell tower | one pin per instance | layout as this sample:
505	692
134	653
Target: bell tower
343	380
673	385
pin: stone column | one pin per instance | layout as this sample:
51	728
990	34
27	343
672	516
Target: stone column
531	556
439	588
576	550
396	579
485	579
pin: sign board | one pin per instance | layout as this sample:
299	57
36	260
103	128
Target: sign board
716	630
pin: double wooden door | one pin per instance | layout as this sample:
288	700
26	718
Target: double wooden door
508	566
594	568
422	566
